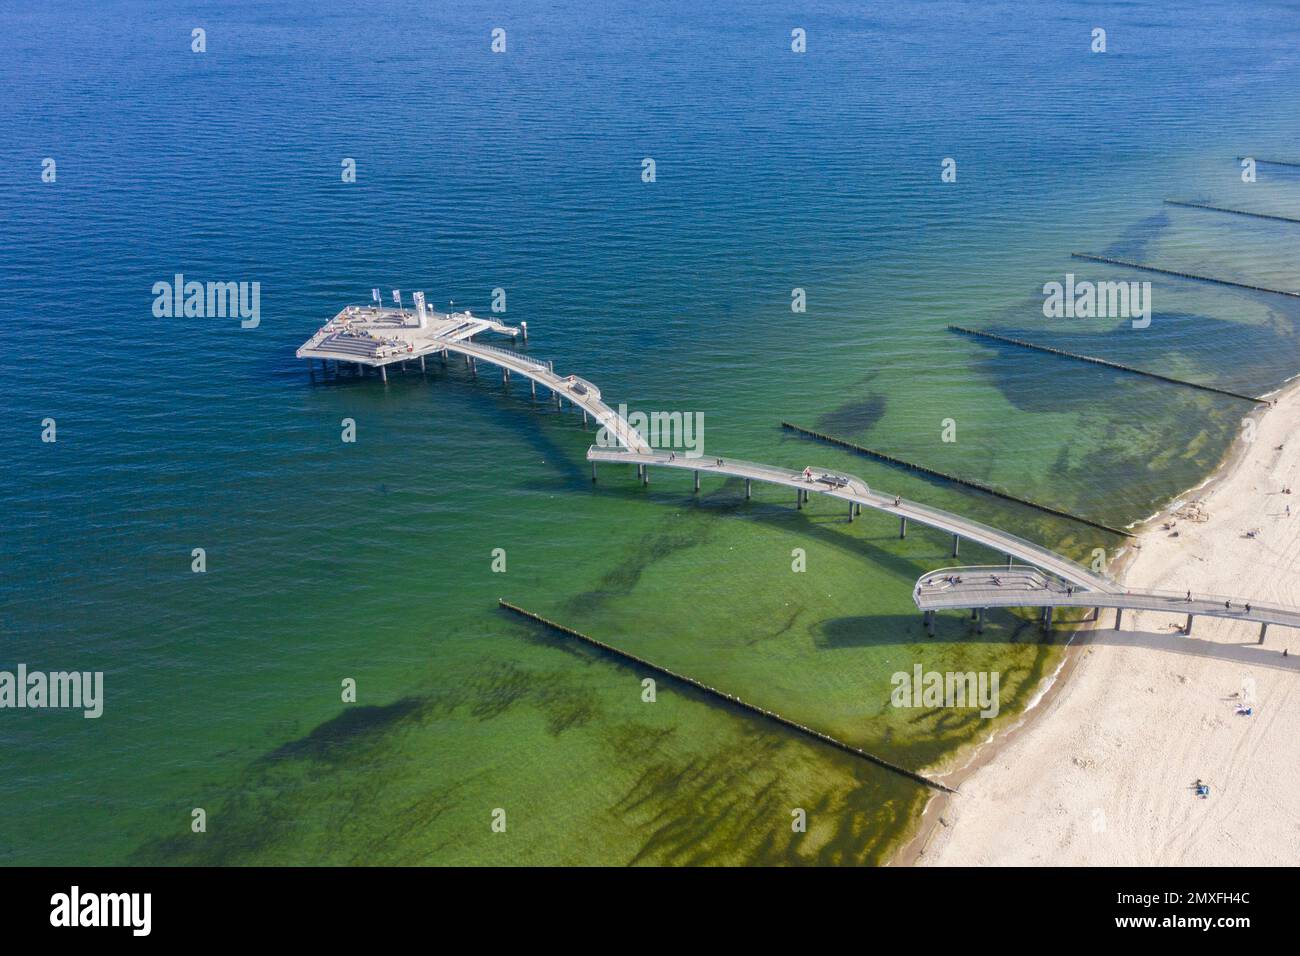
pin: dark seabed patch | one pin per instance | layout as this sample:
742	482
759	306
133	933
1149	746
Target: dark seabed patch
855	416
329	740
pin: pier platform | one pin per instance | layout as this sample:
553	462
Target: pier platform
977	588
376	337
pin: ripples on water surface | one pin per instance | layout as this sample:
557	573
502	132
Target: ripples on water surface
371	560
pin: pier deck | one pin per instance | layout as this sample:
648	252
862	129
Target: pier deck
376	337
857	492
379	337
984	587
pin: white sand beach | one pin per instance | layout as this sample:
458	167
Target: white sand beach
1102	772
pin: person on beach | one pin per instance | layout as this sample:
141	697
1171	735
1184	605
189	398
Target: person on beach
1189	597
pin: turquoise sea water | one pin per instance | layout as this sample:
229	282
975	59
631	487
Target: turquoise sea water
522	170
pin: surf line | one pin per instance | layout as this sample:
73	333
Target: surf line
729	698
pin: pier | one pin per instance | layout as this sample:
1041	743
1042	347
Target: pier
965	482
979	588
855	491
727	698
1094	360
1184	275
374	337
377	337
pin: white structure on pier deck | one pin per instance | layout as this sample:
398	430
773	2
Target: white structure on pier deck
377	337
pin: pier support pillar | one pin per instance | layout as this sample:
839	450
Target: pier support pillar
523	327
422	369
749	489
645	474
956	545
473	367
1008	560
584	424
859	508
979	622
929	623
697	481
1263	629
1047	618
383	373
851	512
1119	617
534	389
593	472
902	527
798	499
1188	628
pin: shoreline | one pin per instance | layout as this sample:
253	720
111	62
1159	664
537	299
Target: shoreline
935	828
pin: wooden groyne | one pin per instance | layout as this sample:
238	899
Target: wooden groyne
1271	162
1235	212
729	698
1183	275
912	466
978	333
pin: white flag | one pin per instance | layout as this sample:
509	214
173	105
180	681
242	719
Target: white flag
397	297
374	294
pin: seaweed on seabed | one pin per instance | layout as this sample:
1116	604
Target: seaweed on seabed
326	741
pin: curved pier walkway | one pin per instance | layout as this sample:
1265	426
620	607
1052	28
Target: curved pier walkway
376	337
977	588
579	391
857	494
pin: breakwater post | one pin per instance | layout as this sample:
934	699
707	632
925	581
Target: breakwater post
727	698
1235	212
1094	360
1183	275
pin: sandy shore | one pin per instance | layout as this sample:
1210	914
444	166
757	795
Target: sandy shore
1101	773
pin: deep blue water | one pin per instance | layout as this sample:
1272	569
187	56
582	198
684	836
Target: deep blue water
522	170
